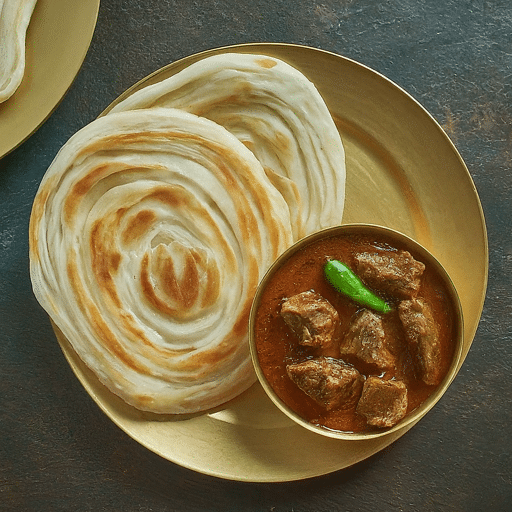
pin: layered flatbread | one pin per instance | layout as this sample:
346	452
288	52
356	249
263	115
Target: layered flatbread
148	236
14	19
278	114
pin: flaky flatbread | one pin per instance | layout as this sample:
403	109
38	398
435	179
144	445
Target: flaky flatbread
148	236
278	114
14	19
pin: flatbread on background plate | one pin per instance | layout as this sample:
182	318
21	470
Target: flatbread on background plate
14	20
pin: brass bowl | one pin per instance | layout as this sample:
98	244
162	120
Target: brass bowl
421	253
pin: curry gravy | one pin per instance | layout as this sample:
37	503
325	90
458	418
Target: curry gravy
277	346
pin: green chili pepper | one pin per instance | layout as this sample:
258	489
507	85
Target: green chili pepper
346	282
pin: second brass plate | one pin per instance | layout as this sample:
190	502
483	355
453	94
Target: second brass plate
58	38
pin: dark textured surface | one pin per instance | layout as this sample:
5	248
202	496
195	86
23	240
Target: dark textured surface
59	452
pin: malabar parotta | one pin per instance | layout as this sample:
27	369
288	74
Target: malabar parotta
148	236
14	19
278	114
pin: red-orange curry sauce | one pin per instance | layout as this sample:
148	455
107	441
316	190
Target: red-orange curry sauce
277	346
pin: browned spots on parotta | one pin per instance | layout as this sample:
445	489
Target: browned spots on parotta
266	63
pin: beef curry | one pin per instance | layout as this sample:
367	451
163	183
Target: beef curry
339	364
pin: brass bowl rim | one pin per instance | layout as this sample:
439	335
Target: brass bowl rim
418	413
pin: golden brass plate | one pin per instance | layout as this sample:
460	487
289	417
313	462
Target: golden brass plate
58	38
402	172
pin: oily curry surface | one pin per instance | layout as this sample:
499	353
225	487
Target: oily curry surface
277	346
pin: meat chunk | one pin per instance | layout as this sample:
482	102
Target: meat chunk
366	340
329	382
383	402
422	335
312	318
397	274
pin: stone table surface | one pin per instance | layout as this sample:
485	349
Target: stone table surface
58	451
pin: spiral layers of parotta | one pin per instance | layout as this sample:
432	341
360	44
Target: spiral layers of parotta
278	114
148	236
14	19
